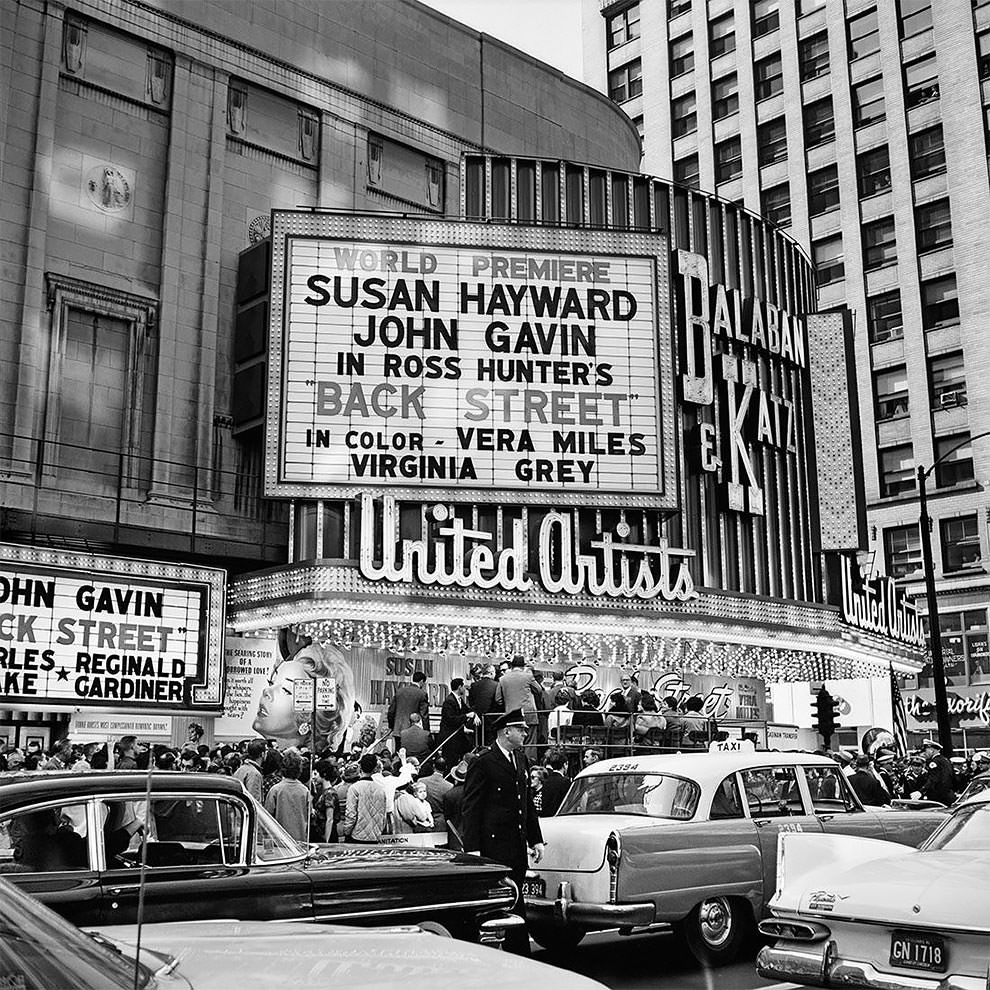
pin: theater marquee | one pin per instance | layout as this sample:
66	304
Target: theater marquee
464	362
78	630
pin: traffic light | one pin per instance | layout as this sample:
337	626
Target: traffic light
826	711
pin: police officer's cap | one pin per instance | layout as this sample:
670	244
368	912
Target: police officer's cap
515	717
931	744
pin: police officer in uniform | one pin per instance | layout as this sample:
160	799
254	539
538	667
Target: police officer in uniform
497	815
935	782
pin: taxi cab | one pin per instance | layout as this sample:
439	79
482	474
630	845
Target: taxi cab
690	840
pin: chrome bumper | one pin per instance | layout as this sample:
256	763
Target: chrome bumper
807	964
565	911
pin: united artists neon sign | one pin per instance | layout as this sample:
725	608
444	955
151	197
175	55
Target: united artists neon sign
471	558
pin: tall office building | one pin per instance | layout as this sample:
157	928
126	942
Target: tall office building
861	127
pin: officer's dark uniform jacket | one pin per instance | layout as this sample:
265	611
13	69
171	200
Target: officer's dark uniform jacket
935	783
498	816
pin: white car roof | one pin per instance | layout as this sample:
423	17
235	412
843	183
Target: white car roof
980	797
704	767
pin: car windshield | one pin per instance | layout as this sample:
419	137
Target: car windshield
976	786
39	950
968	830
654	795
271	842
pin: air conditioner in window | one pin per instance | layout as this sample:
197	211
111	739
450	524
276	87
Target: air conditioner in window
883	334
957	397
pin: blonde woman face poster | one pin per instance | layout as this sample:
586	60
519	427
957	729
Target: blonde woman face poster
302	660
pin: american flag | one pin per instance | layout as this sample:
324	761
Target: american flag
900	715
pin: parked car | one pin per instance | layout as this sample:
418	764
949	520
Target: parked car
73	840
41	951
690	840
864	913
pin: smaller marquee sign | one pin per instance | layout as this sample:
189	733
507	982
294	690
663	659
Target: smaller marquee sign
119	634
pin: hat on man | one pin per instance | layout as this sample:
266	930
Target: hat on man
931	744
515	717
459	773
884	755
844	756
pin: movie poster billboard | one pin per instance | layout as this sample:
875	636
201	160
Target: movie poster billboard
84	630
471	362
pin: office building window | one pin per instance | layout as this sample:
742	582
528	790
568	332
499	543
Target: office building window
964	644
873	172
684	115
830	265
721	36
823	190
725	96
819	123
623	27
983	54
940	303
902	550
681	55
920	82
766	17
957	468
678	7
768	77
864	35
914	16
813	54
771	141
926	150
626	81
884	318
890	390
775	204
728	160
960	543
868	102
933	224
686	171
897	471
948	376
879	244
809	6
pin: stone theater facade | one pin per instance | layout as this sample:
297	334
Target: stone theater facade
328	297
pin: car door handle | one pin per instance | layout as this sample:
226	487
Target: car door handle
825	818
760	822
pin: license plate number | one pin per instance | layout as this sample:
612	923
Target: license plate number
912	951
534	887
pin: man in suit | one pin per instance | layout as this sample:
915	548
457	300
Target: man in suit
455	718
481	698
867	786
408	699
414	739
629	685
516	692
497	815
556	783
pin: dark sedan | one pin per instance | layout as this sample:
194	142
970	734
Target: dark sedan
74	841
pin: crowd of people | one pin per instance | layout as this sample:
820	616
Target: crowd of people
882	777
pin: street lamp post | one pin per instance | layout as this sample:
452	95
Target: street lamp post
934	626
